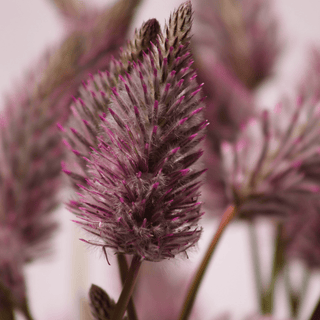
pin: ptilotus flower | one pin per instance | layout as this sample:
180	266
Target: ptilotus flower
88	47
30	149
302	232
142	182
265	167
242	35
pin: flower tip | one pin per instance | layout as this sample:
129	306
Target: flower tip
60	127
68	172
76	152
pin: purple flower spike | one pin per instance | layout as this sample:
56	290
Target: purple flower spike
143	178
267	168
242	35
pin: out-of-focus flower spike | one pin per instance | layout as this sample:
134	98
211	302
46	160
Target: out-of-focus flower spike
270	159
242	35
69	9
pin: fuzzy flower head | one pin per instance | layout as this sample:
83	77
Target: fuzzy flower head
142	179
265	168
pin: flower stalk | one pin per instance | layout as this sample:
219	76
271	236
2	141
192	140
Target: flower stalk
256	263
128	287
6	305
278	263
190	298
316	312
123	269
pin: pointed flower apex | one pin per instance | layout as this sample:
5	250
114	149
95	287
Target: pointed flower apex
143	177
102	306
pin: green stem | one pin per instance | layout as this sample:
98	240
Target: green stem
278	263
316	312
26	311
127	290
296	298
6	313
291	294
6	306
190	298
304	286
256	264
123	268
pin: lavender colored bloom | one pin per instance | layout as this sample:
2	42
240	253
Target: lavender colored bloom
265	168
242	35
142	180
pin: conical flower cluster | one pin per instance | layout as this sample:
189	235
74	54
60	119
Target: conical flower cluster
142	179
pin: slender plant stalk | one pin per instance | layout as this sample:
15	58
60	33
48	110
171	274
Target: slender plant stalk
293	297
26	312
190	298
296	299
256	264
316	312
304	288
6	306
6	314
127	290
123	268
278	263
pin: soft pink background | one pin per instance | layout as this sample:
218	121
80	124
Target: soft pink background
55	286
